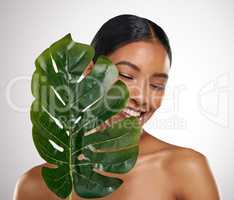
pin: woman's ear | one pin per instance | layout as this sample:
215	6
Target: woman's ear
89	68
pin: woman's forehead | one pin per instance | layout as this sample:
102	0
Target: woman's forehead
147	56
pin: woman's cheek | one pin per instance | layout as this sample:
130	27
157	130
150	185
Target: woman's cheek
156	99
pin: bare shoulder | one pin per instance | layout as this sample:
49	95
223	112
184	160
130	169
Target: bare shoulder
190	170
175	156
183	161
176	159
183	156
30	185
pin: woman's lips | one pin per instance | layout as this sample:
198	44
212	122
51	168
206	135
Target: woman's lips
127	112
131	112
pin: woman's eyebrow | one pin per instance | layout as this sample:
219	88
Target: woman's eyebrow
124	62
160	75
155	75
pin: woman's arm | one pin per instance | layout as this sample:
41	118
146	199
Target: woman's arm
194	177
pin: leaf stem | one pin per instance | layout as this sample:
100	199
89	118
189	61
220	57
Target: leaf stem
70	163
70	196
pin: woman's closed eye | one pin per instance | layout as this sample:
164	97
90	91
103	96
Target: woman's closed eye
158	87
126	76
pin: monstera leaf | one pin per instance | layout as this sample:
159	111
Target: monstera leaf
67	107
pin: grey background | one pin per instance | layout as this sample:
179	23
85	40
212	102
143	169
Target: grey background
197	111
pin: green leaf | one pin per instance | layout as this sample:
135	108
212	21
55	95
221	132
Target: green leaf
66	107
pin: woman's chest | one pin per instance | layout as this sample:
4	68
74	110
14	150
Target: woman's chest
147	183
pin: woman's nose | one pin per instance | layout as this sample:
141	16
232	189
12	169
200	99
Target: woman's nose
139	94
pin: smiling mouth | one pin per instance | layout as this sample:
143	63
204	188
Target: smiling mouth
131	112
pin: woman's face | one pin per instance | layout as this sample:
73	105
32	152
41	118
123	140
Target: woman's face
143	67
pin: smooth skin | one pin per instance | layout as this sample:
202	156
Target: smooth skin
163	171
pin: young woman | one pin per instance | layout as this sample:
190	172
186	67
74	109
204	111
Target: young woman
141	51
